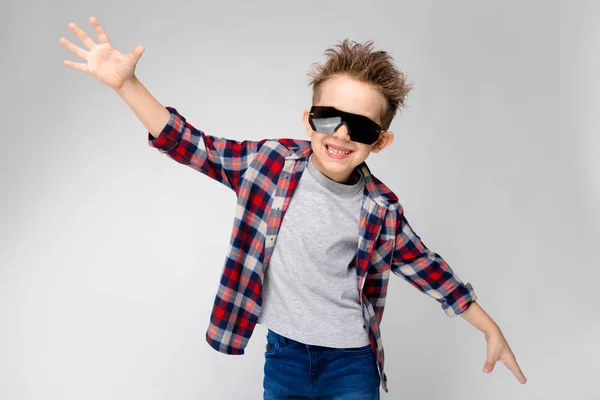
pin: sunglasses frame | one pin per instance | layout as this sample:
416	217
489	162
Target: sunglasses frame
347	120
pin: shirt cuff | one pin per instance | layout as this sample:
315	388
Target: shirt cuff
459	300
171	134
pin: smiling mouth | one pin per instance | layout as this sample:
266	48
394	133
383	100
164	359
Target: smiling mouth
337	150
335	153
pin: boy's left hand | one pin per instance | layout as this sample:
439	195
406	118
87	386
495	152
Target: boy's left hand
498	349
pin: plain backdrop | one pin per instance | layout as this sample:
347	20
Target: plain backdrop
111	253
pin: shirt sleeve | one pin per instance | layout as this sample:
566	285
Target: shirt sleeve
428	271
224	160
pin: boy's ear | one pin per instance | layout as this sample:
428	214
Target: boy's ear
309	130
384	141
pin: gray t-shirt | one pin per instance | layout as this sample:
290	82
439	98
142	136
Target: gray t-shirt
310	290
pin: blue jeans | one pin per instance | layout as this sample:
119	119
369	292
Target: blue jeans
294	370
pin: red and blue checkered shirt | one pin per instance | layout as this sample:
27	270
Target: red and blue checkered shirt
263	175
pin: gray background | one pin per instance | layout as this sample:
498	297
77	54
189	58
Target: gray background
111	253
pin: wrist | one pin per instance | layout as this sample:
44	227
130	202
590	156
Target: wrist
127	85
493	330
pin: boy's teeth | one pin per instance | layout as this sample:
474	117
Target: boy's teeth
336	151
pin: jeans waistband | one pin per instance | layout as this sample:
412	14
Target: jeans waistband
282	339
285	341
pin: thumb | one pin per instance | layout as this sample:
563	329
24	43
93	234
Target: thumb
137	52
488	366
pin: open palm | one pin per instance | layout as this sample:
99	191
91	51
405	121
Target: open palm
104	62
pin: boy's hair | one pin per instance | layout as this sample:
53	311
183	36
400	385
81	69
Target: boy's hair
358	61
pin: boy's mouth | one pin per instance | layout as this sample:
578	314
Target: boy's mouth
337	152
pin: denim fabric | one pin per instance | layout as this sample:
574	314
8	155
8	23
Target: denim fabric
294	370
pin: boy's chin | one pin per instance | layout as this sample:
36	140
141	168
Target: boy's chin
336	166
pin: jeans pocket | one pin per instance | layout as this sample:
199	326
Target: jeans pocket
272	348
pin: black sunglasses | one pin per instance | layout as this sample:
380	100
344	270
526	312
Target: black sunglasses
328	119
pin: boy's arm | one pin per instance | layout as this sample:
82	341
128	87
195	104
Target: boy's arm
224	160
428	271
476	316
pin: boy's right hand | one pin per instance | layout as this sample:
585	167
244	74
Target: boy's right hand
104	62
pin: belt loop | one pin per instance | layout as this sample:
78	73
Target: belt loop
280	338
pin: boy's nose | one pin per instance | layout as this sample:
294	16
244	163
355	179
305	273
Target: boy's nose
342	133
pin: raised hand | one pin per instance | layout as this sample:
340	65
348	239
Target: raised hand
104	62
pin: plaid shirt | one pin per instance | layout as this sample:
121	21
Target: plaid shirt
263	175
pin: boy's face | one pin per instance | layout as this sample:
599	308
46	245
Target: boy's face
350	95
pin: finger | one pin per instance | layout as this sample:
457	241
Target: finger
137	52
102	36
78	51
489	365
81	35
512	365
490	360
77	66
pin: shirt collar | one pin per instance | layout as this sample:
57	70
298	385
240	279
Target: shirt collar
301	149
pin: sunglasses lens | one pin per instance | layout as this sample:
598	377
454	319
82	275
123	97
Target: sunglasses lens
365	133
326	125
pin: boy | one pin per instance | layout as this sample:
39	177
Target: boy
318	277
